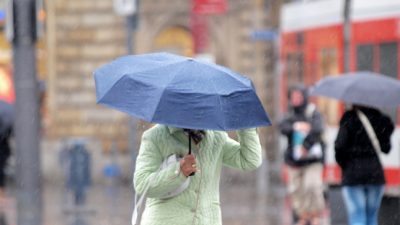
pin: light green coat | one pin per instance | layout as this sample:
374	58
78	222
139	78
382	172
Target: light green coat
199	204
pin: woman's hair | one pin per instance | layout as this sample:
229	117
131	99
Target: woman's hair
304	91
298	87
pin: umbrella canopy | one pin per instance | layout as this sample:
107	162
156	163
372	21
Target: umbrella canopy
179	91
364	88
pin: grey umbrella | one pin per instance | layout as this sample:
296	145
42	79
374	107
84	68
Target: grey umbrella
364	88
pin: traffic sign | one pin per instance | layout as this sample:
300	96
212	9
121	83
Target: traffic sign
125	7
264	35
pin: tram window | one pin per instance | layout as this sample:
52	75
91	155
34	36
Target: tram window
365	57
388	65
300	38
294	65
328	65
388	59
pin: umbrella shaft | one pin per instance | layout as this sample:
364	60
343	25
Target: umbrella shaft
190	149
190	143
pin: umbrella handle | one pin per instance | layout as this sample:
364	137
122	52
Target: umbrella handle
190	143
190	150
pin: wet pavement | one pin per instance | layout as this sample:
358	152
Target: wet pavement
112	205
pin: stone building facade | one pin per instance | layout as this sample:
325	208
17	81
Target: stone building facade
82	35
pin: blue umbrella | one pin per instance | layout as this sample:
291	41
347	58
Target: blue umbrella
179	91
364	88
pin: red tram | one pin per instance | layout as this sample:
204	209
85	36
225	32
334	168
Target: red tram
311	47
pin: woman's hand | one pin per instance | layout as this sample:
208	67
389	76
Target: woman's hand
188	165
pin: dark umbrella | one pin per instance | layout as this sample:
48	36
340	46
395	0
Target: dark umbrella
179	91
364	88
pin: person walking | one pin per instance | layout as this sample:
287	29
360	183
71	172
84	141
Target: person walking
79	174
199	202
363	133
303	126
5	152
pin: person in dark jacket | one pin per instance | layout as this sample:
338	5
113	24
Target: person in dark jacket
5	153
362	172
303	127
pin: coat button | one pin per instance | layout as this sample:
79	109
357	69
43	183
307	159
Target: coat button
193	210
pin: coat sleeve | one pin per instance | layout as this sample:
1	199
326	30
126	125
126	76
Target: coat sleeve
384	132
343	140
317	127
286	126
148	173
246	154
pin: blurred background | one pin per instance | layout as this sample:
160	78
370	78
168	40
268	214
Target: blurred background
51	57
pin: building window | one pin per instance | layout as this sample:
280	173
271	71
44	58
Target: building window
295	69
365	58
383	60
328	65
388	65
388	59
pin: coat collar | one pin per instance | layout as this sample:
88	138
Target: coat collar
173	130
181	136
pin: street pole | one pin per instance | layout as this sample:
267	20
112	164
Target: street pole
129	10
26	127
131	24
262	176
346	35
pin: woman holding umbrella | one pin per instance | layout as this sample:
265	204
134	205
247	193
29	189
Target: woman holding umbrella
362	173
364	133
190	101
199	203
5	153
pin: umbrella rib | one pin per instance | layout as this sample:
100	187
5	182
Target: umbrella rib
128	74
222	69
160	67
164	89
141	71
220	101
197	78
106	92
